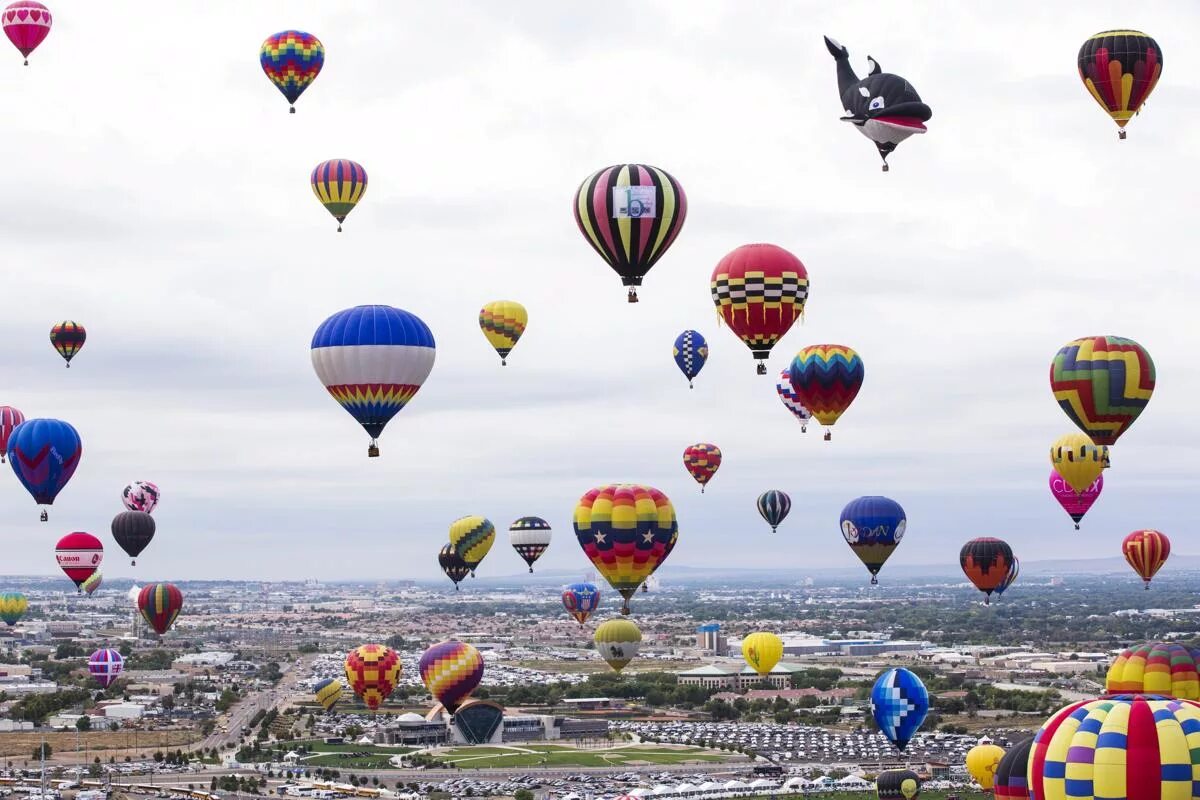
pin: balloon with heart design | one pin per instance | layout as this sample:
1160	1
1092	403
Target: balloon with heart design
27	24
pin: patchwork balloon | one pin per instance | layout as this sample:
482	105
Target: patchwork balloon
826	378
339	184
105	665
27	23
1120	69
760	291
451	671
1076	504
773	506
899	703
1102	383
580	600
791	401
873	526
691	354
44	454
292	60
373	671
529	536
702	460
502	323
472	538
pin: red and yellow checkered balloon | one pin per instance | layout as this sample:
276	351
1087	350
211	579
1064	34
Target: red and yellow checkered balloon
373	671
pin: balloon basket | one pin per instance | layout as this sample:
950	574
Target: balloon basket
291	109
885	168
503	363
45	517
632	297
1120	133
372	450
68	365
829	436
689	386
1076	526
133	562
874	581
762	368
531	570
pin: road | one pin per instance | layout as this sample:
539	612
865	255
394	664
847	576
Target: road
231	724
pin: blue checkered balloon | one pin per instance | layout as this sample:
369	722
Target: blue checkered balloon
899	703
691	351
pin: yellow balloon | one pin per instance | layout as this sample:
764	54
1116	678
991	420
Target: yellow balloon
503	322
762	651
1079	460
617	641
982	760
471	538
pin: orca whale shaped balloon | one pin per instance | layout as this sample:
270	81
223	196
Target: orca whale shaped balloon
884	107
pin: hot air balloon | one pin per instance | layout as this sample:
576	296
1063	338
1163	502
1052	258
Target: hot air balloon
580	600
79	554
105	666
1146	551
1124	747
630	214
373	670
617	642
982	761
1010	578
1077	460
1120	69
292	60
68	338
702	460
12	607
502	323
92	583
691	353
373	360
44	454
627	531
1102	383
873	527
986	563
140	496
472	537
762	651
884	107
774	506
899	703
1076	504
826	379
328	692
1012	773
791	401
760	290
529	536
452	564
451	671
898	784
339	184
27	24
1162	668
160	604
133	530
10	418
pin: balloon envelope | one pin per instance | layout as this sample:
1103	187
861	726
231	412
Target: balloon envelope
472	538
292	60
451	670
339	184
580	600
1012	772
791	401
1102	383
452	564
27	23
762	651
10	418
79	554
133	530
1076	504
873	526
1120	69
986	563
328	692
160	604
1078	460
105	666
92	583
899	703
502	323
760	291
826	378
617	642
773	506
44	454
373	671
1146	551
12	607
68	338
898	784
140	496
982	761
529	536
690	352
702	460
1162	668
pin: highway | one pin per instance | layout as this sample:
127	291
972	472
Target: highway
231	724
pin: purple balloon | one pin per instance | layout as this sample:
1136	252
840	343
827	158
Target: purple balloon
1074	504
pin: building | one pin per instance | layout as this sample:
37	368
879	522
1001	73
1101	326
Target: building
124	710
715	676
593	703
709	639
215	658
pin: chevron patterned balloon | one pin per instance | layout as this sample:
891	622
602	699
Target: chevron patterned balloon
451	670
1102	383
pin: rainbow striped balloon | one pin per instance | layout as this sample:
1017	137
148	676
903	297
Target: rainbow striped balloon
1125	747
339	184
451	670
1155	668
826	379
292	60
1102	383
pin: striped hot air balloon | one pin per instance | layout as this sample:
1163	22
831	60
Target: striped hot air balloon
502	323
339	184
10	418
773	506
1012	773
328	692
1163	668
68	338
451	670
1120	69
160	604
1146	551
791	401
760	291
92	583
105	665
826	378
529	536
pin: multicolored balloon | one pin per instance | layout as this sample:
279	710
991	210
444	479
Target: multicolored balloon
529	536
12	607
451	671
1120	69
691	353
105	666
141	496
617	642
68	338
1012	773
10	418
339	184
133	531
982	762
791	401
873	526
762	651
760	290
472	537
44	454
292	60
899	703
1163	668
160	604
92	583
452	564
580	600
1076	504
502	323
898	784
627	531
372	671
1123	747
826	379
702	460
27	23
774	506
1010	578
630	214
373	360
986	562
1146	551
328	692
79	554
1078	460
1102	383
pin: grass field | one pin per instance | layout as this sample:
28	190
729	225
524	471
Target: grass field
357	756
21	744
559	756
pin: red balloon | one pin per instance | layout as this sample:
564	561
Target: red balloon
79	555
160	604
1146	551
760	290
702	460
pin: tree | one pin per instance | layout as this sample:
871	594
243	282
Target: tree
68	650
168	702
522	794
114	726
83	724
42	751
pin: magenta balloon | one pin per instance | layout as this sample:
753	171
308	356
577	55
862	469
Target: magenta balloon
1074	504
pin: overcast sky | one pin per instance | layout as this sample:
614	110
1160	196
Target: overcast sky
157	192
